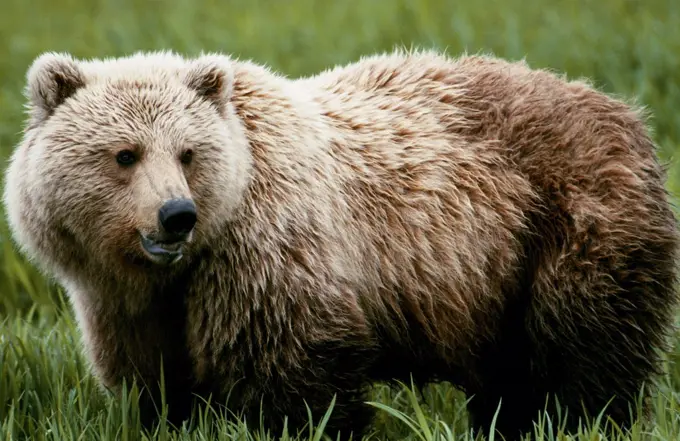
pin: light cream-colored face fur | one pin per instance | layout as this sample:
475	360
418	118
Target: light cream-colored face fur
109	142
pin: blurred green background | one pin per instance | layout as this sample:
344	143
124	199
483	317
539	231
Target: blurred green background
630	48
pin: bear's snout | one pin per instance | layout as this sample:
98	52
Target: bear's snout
177	217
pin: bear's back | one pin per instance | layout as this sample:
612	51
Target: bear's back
453	166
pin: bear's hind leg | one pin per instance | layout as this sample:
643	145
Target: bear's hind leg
502	376
589	333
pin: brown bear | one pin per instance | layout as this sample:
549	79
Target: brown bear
288	241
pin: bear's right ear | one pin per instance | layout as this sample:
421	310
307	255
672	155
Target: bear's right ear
51	79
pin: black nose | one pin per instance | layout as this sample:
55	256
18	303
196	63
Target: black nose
178	216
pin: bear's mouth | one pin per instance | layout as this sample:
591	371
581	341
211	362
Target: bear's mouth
162	252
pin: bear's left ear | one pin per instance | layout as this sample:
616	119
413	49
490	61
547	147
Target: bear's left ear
51	79
211	76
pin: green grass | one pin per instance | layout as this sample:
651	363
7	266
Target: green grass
628	47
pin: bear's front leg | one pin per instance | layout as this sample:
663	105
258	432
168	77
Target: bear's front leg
330	369
123	346
273	362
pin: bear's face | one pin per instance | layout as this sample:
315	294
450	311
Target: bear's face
138	159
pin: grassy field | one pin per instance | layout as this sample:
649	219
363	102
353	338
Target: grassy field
628	47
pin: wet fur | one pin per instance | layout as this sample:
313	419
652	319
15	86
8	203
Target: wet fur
467	219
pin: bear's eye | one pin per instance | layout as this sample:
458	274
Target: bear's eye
187	156
126	157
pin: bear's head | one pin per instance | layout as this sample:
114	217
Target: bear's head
139	160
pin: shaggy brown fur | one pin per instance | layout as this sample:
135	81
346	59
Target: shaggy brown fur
467	219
